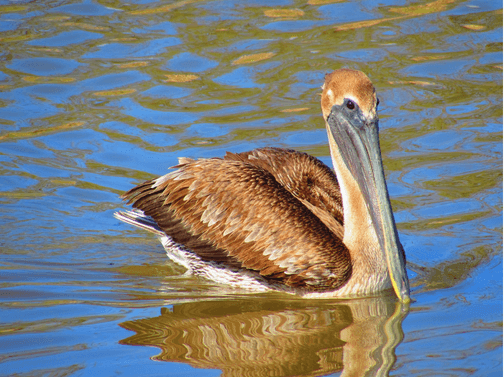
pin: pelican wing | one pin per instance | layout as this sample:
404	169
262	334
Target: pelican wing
235	212
304	176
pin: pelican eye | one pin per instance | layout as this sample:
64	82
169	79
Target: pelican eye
350	105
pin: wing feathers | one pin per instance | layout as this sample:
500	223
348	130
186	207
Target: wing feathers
237	212
304	176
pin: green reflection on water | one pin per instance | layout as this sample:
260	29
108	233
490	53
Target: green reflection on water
467	185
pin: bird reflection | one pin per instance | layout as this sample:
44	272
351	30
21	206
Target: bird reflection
269	337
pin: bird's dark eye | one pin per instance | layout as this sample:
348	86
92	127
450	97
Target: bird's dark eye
377	102
350	105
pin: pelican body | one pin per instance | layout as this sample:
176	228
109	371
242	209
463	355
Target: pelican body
277	219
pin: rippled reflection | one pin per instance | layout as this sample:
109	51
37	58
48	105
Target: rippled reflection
277	338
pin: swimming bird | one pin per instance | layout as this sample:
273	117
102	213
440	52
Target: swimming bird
278	219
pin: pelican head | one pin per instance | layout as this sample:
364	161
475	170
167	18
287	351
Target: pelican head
349	105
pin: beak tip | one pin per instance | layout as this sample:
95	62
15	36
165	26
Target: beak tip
405	299
402	292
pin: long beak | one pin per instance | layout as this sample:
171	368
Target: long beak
359	145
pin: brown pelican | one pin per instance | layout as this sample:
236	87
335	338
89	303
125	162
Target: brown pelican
276	219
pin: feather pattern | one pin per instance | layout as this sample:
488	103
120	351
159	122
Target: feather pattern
244	211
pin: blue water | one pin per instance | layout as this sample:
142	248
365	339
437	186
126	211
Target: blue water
97	96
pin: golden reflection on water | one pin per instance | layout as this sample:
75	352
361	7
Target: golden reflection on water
257	337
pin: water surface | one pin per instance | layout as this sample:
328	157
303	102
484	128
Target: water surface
96	96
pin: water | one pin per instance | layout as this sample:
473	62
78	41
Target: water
96	96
